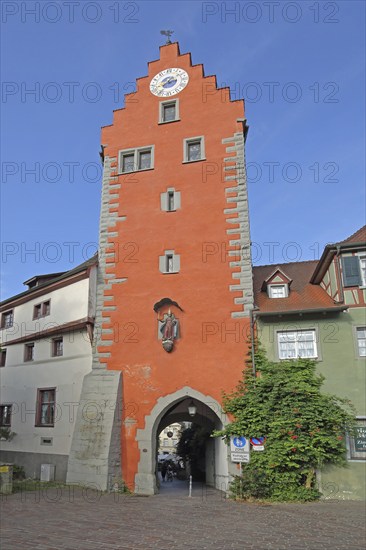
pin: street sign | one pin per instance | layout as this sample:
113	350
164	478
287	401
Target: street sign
257	443
240	449
240	457
239	444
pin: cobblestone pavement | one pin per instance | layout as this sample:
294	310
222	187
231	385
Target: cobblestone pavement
70	518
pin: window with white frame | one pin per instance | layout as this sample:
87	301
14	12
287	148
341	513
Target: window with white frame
168	111
278	291
134	160
361	341
363	269
357	441
297	343
170	200
170	262
193	149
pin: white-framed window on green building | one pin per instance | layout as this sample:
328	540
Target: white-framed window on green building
136	160
361	341
363	269
357	441
297	343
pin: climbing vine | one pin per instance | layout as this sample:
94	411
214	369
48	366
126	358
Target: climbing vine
304	428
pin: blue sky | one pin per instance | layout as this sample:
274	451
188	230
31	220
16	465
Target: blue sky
299	65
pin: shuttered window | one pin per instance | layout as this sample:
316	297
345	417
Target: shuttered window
351	271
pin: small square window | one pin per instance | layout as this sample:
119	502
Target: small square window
7	319
37	311
57	347
45	415
277	291
168	111
194	149
361	341
144	160
5	416
128	163
41	310
2	357
29	352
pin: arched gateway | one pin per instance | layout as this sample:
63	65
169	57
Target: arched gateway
172	408
174	289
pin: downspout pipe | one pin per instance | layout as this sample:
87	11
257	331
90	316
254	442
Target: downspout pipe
339	276
252	321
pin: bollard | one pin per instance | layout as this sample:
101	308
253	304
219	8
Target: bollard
6	479
190	486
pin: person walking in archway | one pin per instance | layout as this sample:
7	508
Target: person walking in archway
164	468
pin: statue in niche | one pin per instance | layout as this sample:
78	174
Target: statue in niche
169	330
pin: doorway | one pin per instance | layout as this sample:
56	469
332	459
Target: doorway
208	461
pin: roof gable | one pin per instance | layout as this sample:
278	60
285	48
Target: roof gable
278	276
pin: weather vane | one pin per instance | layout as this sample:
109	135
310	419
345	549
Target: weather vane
168	34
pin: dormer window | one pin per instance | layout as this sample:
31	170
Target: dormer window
277	285
278	291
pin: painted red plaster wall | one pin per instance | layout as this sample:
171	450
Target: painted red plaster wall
209	363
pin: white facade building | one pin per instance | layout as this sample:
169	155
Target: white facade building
46	350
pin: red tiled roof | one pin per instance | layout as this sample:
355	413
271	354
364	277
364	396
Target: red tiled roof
303	295
358	237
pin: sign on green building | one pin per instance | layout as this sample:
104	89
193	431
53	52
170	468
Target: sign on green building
360	439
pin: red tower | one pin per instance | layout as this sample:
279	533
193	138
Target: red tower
175	280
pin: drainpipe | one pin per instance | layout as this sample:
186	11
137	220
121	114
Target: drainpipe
341	294
252	321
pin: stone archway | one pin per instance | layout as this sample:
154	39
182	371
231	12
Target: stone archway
145	479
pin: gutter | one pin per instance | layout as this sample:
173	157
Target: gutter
252	322
326	257
336	309
339	277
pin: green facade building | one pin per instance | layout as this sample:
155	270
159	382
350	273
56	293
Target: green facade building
317	309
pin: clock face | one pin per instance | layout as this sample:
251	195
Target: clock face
169	82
